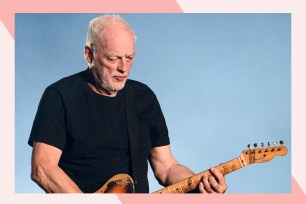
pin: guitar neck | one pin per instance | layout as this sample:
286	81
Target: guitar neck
192	182
123	183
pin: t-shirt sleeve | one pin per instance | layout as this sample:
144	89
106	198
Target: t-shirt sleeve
49	123
159	130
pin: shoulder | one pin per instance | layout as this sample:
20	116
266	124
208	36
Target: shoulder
145	99
68	83
139	89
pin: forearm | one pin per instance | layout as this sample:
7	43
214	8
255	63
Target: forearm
46	172
168	171
177	172
54	180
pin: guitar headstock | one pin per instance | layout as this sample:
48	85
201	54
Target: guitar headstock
263	154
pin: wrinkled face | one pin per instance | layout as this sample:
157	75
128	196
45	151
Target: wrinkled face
113	59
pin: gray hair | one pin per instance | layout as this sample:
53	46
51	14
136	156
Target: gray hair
98	24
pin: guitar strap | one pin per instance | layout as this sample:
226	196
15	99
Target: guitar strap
132	129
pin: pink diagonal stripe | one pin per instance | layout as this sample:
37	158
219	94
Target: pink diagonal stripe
296	196
9	8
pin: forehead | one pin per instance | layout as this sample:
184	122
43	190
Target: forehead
117	40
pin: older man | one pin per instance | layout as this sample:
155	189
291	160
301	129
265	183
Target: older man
80	134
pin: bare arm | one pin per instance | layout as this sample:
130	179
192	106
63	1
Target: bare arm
46	172
168	171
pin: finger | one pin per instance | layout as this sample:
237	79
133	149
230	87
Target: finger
207	186
217	181
214	185
218	176
201	188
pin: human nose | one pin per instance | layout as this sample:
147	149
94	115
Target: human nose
122	65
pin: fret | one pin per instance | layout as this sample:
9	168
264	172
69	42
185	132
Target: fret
191	185
206	173
192	181
230	163
186	183
222	169
243	160
173	188
177	188
180	187
199	177
184	186
226	168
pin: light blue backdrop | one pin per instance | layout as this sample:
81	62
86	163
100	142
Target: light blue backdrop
223	81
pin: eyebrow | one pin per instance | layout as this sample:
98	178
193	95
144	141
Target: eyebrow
114	55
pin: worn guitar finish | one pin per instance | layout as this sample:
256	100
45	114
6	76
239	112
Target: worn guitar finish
123	183
120	183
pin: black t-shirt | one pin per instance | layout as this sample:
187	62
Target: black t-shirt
91	130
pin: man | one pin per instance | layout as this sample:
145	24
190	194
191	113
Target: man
80	133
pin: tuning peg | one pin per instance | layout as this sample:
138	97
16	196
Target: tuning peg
255	145
281	142
274	143
262	144
268	144
249	146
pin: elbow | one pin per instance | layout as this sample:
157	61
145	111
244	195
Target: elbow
39	177
37	174
161	177
162	173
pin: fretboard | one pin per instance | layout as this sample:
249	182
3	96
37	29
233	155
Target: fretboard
192	182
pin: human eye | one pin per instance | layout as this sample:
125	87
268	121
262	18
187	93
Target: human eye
130	58
112	60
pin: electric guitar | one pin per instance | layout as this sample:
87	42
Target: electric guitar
123	183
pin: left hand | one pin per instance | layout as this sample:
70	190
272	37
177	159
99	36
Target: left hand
214	184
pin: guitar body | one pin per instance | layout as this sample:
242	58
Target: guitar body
120	183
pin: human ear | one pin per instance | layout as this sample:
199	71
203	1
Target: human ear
88	54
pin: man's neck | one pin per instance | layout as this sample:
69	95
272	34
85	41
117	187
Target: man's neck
101	91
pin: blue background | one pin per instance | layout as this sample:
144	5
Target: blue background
223	81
